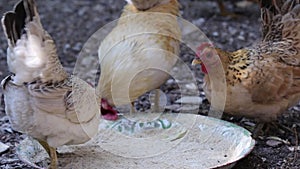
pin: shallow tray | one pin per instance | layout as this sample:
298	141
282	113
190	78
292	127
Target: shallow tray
182	141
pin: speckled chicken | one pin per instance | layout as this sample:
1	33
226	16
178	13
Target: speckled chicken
138	53
263	80
41	99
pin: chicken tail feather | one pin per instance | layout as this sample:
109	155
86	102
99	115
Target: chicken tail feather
31	53
277	15
14	22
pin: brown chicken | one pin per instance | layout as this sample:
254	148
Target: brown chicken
41	99
225	12
138	53
263	80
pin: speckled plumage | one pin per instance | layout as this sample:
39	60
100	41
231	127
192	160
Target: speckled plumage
138	50
264	80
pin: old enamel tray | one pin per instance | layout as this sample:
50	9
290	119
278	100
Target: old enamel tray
151	141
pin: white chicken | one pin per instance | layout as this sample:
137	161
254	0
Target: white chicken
41	99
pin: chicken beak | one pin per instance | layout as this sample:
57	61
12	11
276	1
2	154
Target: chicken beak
196	62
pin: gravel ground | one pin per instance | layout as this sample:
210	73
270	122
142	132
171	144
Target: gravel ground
71	23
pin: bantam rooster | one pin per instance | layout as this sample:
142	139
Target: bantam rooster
138	53
263	80
41	99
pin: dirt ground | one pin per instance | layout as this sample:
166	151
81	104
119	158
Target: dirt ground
71	23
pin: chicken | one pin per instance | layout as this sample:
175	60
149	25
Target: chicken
138	53
225	12
263	80
41	99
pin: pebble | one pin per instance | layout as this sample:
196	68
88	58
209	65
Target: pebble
294	148
191	86
215	33
297	108
232	30
87	61
190	100
98	7
3	147
199	22
174	107
248	123
170	81
77	46
66	48
273	143
240	37
188	108
82	11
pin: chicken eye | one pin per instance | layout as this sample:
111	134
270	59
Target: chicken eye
208	54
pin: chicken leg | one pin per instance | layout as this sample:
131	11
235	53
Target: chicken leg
156	107
52	154
132	109
224	11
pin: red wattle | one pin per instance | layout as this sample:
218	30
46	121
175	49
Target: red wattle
203	69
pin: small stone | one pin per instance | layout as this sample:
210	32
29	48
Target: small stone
66	48
170	81
248	123
190	100
174	107
87	61
82	11
215	34
294	148
3	147
8	130
99	7
199	21
273	143
240	37
232	30
188	108
191	86
297	108
77	46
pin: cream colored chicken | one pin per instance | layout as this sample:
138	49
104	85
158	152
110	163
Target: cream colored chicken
263	80
138	53
41	99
